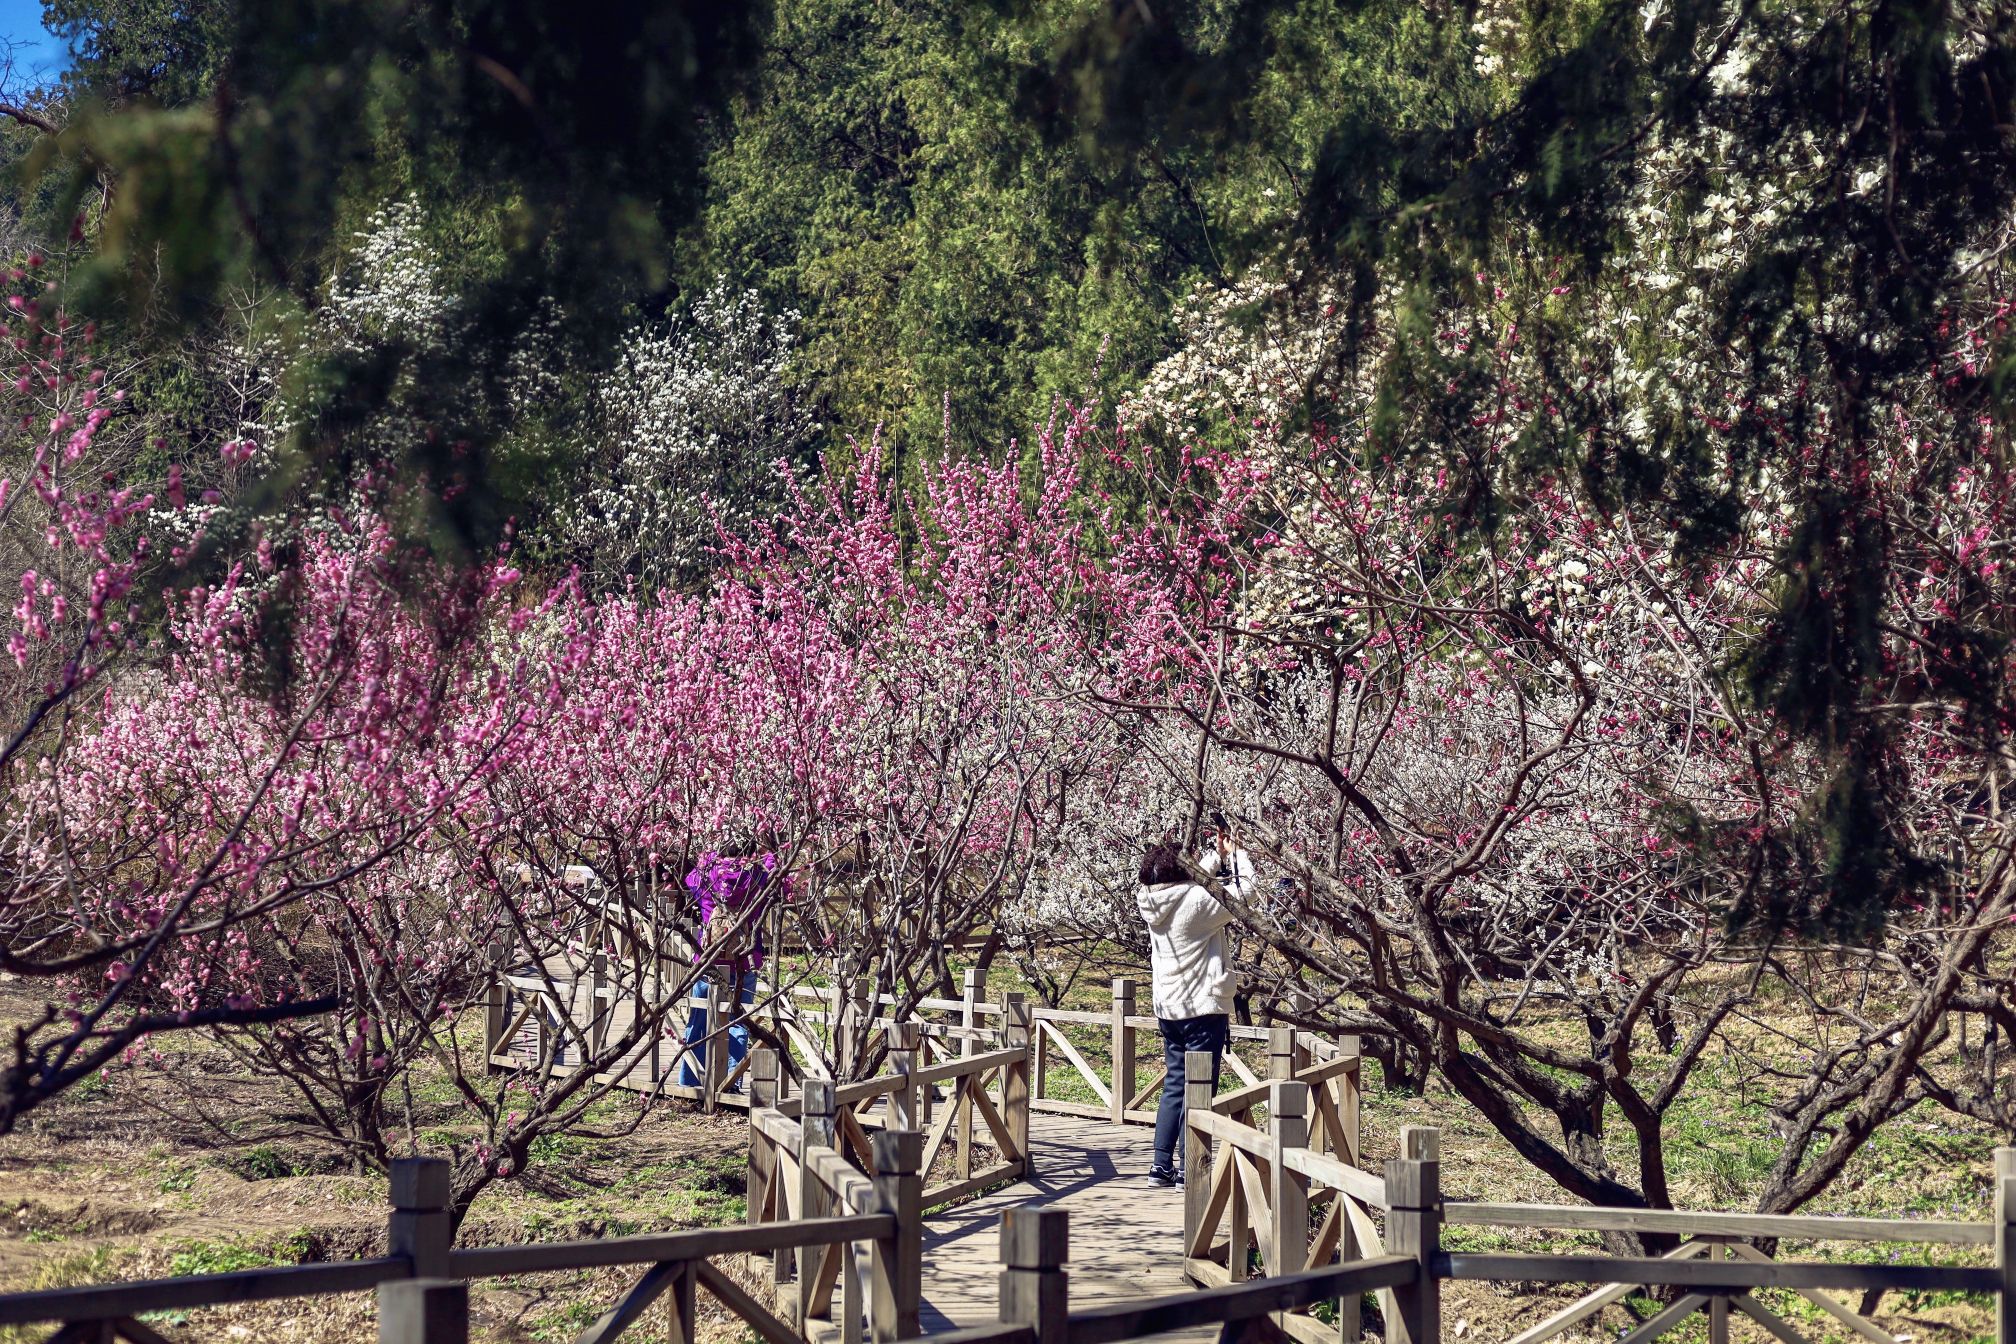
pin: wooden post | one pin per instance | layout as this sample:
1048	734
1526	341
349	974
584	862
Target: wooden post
815	1131
1035	1242
1344	1145
1015	1079
1280	1053
422	1311
2005	1244
857	1024
764	1070
973	994
763	1165
598	1017
1718	1303
969	1044
1347	1099
715	1070
418	1226
1196	1155
901	1108
1123	1048
898	1260
493	1023
680	1318
1414	1228
1288	1191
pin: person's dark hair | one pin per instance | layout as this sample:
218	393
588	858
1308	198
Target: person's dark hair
1163	865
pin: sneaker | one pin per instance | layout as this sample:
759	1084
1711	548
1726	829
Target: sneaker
1163	1178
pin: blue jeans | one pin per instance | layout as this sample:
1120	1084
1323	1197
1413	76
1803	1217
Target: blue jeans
695	1061
1180	1036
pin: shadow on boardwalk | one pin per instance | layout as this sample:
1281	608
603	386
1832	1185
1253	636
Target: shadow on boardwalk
1126	1235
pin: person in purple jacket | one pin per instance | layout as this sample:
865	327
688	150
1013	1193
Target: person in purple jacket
732	895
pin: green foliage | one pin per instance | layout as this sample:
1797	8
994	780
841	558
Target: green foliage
226	1256
248	141
167	51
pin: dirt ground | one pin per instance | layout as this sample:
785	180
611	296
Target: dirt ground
121	1180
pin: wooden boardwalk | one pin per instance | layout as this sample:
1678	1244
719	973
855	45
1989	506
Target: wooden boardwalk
1126	1235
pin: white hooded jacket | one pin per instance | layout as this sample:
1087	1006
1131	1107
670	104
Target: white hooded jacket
1186	942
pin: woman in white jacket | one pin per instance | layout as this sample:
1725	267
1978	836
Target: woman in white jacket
1192	986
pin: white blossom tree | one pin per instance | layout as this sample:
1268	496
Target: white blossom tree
698	419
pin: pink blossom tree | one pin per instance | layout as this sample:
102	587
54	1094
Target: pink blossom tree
1511	745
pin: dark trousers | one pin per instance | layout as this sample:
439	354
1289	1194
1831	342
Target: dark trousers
1179	1037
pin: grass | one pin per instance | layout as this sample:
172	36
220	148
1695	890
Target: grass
73	1269
235	1253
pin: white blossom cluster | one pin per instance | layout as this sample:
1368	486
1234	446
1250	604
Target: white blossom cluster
390	286
1248	353
698	418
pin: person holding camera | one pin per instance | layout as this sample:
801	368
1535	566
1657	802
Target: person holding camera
1192	985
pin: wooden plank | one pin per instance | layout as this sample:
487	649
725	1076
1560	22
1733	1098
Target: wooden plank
964	1066
1330	1171
1000	1332
1215	1205
1595	1302
1052	1106
845	1182
654	1283
936	1139
1691	1223
1238	1066
1243	1137
1141	1098
1074	1017
856	1138
1306	1329
1234	1302
112	1301
1003	1140
1770	1320
1328	1234
1085	1070
1241	1099
819	1299
1207	1272
486	1262
1258	1211
1665	1320
1839	1310
1727	1275
997	1174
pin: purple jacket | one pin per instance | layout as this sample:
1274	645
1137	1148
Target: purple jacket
734	886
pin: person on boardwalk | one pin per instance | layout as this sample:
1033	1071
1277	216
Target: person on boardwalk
1192	986
732	895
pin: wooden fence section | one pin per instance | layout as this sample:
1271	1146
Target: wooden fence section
874	1224
539	1018
1264	1185
994	1087
1293	1192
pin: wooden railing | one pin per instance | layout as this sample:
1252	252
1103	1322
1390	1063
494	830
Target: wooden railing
1097	1054
1293	1191
991	1088
1034	1301
873	1223
1265	1183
